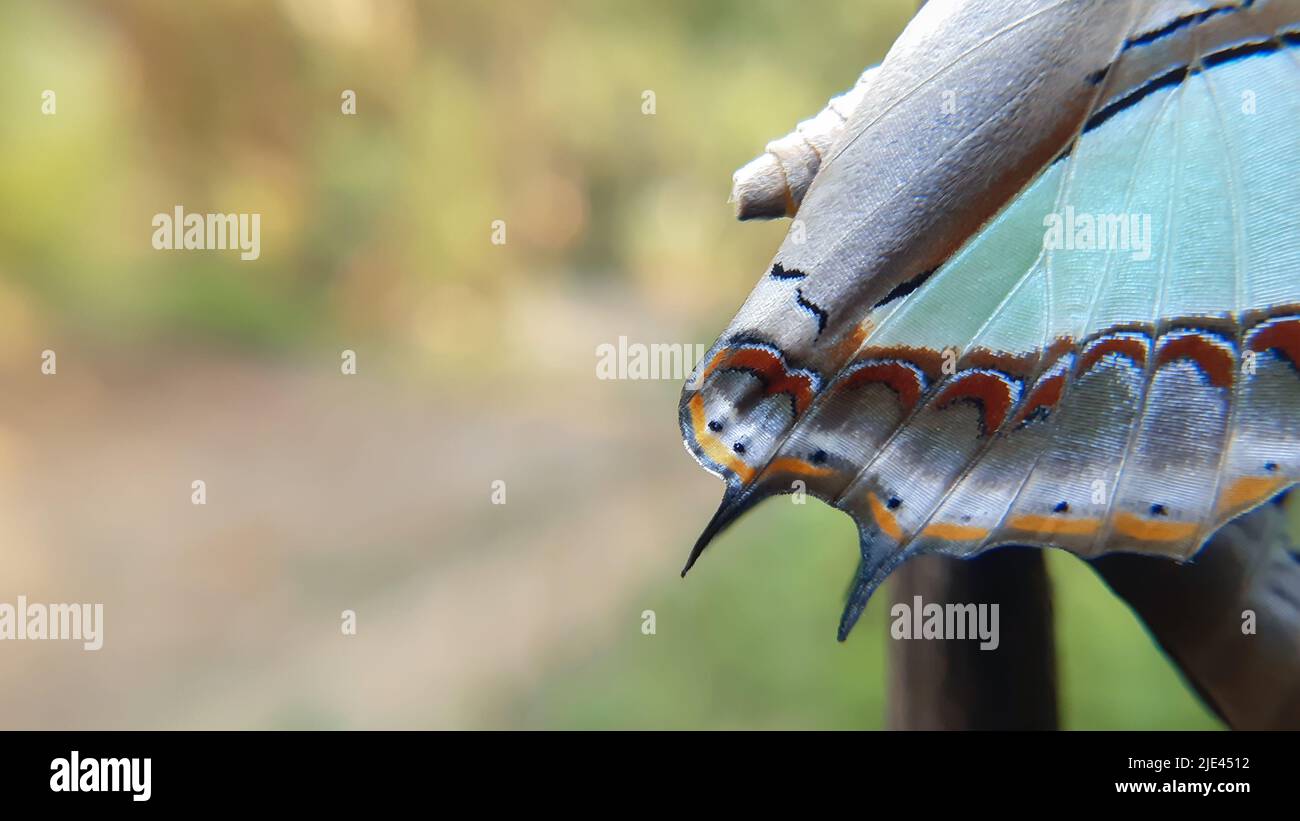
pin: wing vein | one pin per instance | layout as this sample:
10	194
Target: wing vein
1236	202
1149	370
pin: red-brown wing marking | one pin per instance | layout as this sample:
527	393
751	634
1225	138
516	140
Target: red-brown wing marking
984	359
1047	393
771	369
1133	348
1214	359
994	392
1281	335
902	378
1062	346
928	360
1044	397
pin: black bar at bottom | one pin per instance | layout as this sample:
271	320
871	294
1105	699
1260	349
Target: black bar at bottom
332	769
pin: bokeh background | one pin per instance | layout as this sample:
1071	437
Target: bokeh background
476	363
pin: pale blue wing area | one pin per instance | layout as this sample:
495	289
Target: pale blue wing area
1258	105
1145	215
1234	208
1205	259
961	298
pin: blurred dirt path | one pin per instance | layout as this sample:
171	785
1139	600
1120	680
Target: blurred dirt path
325	493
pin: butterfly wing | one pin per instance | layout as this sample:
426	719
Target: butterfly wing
1109	363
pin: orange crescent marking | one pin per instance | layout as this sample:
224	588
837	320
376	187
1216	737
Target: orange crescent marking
1249	490
713	447
1150	530
1053	524
885	518
799	467
954	532
714	363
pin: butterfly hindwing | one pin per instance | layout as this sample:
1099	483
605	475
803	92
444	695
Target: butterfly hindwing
1110	363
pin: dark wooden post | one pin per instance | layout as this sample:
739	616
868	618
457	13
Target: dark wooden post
953	684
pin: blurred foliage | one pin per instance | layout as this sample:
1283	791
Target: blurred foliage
378	224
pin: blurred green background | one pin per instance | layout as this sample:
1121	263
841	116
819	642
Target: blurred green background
476	363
